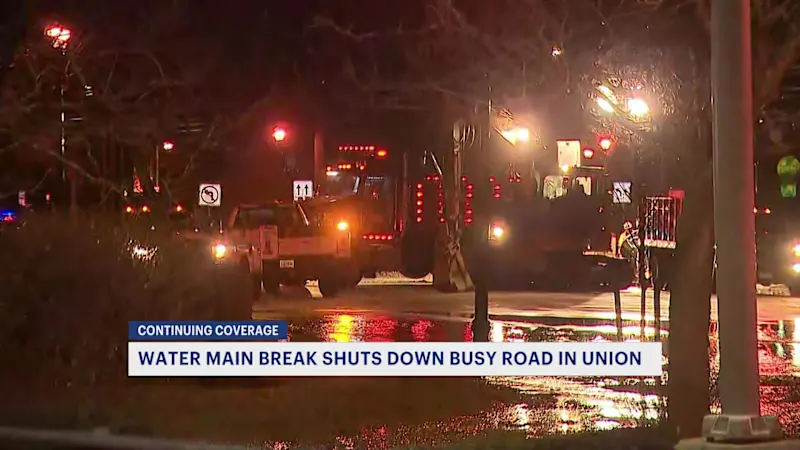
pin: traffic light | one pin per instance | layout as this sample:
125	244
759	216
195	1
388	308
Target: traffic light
279	134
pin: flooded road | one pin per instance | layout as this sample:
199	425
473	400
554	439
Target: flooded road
564	405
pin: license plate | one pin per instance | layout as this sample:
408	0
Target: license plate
765	275
287	264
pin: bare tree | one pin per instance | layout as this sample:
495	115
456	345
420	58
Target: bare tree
125	84
554	54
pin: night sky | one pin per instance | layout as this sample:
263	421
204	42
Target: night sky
251	51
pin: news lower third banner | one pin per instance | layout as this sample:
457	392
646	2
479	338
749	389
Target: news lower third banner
226	349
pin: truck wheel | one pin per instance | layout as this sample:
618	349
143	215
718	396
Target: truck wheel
270	281
329	286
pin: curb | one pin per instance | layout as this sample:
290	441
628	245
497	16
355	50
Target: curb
101	438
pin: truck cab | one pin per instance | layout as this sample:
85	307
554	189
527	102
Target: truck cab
278	244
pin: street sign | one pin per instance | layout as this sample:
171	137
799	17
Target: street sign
569	153
21	198
622	192
302	189
210	195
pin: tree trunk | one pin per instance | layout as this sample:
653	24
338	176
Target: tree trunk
690	311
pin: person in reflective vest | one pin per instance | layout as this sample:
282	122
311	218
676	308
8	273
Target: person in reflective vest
627	244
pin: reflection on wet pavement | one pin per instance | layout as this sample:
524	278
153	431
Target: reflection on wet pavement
565	405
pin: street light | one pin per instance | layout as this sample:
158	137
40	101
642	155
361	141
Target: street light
165	146
517	134
638	108
604	104
59	36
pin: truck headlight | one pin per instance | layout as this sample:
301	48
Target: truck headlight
220	250
496	233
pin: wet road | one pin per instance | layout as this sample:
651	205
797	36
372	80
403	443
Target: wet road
420	299
546	405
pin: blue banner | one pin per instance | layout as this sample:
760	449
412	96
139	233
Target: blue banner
253	330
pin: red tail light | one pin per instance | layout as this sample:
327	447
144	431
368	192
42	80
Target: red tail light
378	237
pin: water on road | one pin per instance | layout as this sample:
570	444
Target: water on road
547	405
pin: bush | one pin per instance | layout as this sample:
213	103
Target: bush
69	290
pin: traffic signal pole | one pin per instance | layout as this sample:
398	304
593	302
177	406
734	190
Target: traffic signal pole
732	100
480	323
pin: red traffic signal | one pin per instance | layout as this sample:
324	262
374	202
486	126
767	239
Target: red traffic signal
588	153
279	134
606	143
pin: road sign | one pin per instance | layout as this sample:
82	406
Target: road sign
302	189
210	195
622	192
569	153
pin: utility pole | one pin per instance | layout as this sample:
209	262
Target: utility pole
480	324
732	99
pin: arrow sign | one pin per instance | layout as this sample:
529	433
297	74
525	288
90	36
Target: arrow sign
302	189
210	195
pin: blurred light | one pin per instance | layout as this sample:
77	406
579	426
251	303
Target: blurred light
167	145
796	268
517	134
145	208
605	90
279	134
797	250
605	143
129	209
497	232
332	173
220	250
382	153
59	35
342	225
767	211
179	208
588	153
604	105
638	108
565	168
557	51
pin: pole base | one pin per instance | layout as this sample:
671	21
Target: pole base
704	444
741	428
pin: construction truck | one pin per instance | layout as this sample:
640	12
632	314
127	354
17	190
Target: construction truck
368	187
547	218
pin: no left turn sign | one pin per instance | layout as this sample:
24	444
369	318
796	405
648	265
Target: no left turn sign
210	195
